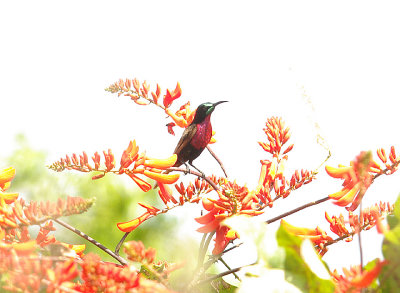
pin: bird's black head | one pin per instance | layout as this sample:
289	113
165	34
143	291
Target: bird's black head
204	110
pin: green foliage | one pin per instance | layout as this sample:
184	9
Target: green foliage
286	263
389	278
299	260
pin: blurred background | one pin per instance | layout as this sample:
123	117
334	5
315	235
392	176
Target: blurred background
330	70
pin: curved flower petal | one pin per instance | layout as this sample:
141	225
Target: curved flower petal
133	224
6	175
9	197
161	163
145	186
162	177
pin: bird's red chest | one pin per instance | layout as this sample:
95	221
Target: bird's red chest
203	134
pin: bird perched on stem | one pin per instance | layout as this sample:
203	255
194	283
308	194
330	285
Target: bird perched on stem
196	136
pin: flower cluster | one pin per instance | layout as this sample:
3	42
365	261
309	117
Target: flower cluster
140	94
142	165
189	194
394	159
271	176
232	200
355	279
100	276
359	176
19	213
136	251
370	217
25	270
345	229
317	236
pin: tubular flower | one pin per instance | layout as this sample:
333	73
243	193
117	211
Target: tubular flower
355	279
233	200
133	224
338	226
170	97
6	176
129	155
317	236
357	178
165	193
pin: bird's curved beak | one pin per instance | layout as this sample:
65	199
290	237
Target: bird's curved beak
220	102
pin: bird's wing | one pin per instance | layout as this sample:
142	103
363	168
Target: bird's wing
186	138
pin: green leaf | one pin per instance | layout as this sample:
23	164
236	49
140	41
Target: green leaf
286	263
299	261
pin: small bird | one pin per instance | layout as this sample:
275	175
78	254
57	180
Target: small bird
196	136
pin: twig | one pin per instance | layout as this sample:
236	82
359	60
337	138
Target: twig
118	247
217	159
203	250
222	274
91	240
203	239
310	204
199	271
198	174
229	268
359	239
231	248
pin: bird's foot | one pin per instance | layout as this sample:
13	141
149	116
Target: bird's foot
203	176
187	169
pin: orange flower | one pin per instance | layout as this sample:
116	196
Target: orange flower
161	163
162	177
355	278
179	120
133	224
357	178
170	97
145	186
165	193
277	135
317	236
6	175
136	251
129	155
233	200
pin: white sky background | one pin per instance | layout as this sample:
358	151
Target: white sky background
264	57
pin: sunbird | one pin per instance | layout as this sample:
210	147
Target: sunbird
196	136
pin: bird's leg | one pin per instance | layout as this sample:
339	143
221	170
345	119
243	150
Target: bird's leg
187	168
202	174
